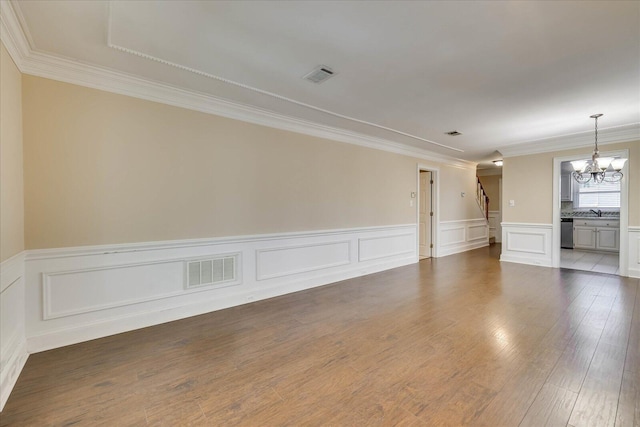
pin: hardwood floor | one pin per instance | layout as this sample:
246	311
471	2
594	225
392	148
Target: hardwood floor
460	340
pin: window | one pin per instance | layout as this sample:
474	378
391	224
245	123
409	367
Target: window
603	195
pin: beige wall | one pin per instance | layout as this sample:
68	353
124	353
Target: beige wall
491	185
11	169
105	168
528	181
454	182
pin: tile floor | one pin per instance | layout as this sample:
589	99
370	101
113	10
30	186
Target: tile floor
590	261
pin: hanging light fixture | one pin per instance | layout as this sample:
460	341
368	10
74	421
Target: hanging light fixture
598	168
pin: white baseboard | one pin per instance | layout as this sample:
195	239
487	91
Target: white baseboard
78	294
13	348
523	259
16	357
525	243
463	235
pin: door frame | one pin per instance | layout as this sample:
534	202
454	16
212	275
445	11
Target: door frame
499	225
435	197
624	208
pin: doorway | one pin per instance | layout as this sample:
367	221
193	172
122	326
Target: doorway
596	236
425	213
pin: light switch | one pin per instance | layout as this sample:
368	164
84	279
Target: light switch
512	203
413	194
411	203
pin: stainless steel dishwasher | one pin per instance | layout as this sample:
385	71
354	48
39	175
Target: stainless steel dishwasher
566	233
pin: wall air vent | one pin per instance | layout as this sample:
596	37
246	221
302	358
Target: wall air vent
320	74
453	133
219	270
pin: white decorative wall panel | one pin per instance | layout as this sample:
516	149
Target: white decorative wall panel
533	243
453	235
476	232
13	348
527	243
494	225
464	235
289	260
81	291
372	248
77	294
634	252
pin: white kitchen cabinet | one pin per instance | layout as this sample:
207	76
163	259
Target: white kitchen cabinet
584	237
566	188
608	239
597	235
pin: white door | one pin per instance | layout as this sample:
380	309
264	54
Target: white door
425	214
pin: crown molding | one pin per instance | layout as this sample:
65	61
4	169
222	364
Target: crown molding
612	135
12	35
489	171
256	90
32	62
276	96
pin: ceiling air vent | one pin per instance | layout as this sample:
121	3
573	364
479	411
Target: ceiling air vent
453	133
320	74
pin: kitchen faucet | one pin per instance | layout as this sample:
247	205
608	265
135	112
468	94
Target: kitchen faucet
598	212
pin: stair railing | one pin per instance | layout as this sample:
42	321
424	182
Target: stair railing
482	198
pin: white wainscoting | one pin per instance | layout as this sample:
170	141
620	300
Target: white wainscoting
380	247
527	243
13	345
634	252
77	294
288	260
495	230
463	235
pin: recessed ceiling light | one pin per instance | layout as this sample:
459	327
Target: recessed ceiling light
453	133
498	162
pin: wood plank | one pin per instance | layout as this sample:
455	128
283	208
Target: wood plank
510	405
551	407
628	414
597	402
573	365
632	362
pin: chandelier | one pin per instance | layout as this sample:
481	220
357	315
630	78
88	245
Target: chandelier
598	168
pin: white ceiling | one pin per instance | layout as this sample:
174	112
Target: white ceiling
500	72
